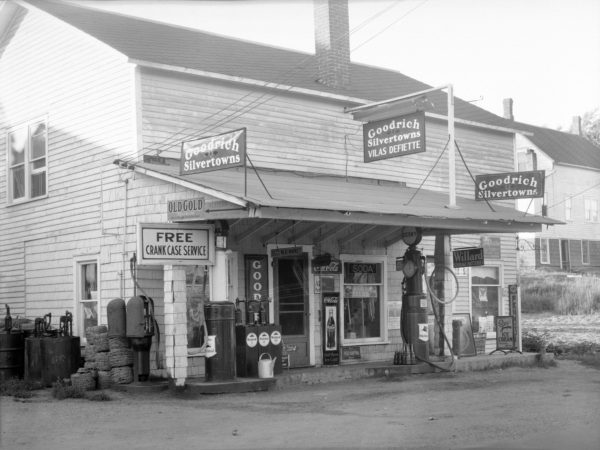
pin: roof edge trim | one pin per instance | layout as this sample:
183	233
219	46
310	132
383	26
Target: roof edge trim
477	124
186	184
249	81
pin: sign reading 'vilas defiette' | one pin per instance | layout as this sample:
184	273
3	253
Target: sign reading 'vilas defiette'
390	138
213	153
510	186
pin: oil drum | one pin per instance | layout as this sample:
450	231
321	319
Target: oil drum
11	355
220	348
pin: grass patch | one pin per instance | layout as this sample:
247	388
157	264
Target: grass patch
559	293
15	387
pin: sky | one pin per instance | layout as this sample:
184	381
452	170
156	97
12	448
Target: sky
544	54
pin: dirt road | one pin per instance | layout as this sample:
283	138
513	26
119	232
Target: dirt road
513	408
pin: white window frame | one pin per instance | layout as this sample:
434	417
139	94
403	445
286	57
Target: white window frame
569	208
591	210
370	259
78	263
501	309
585	244
27	163
545	256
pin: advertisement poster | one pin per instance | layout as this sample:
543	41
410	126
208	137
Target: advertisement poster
394	309
331	354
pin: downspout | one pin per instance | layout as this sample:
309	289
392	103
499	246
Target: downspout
125	261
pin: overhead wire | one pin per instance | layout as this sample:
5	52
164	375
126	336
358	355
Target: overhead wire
167	143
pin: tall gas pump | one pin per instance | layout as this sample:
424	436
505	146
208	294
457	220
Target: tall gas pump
414	326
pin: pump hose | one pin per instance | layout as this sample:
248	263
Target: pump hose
452	367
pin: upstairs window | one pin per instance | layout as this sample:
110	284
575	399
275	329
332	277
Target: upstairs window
568	209
27	165
591	210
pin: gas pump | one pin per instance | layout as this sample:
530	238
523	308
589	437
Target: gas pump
140	329
414	326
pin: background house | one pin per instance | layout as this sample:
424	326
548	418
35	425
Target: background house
572	166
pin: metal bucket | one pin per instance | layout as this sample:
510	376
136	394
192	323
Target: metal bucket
265	366
11	356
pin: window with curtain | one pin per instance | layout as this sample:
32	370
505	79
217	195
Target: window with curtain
87	295
363	298
27	165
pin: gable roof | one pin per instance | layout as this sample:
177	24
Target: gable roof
563	148
152	42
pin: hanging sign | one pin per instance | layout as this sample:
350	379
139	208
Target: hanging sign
213	153
181	209
335	266
467	257
389	138
175	243
286	251
510	186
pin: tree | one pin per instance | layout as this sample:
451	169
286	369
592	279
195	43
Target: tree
590	126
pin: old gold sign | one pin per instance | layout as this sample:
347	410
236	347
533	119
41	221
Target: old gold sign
166	243
510	186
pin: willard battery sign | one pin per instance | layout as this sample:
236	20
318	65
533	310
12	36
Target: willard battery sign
510	186
213	153
390	138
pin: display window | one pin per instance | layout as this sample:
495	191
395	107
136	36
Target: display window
197	280
363	297
485	296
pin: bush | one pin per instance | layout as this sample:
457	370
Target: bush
559	293
18	388
62	390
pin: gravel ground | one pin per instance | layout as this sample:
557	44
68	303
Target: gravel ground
534	408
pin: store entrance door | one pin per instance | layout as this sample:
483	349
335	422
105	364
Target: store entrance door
290	285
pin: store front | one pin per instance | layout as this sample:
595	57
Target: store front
324	268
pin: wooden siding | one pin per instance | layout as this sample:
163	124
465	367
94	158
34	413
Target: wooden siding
290	131
85	92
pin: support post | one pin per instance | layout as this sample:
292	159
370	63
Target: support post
443	287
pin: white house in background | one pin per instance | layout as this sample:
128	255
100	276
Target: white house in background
572	194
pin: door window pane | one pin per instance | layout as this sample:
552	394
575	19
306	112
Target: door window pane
485	295
88	295
291	293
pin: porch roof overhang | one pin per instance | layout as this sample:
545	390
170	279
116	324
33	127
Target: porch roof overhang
300	196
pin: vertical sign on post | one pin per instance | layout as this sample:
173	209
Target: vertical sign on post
257	284
331	355
514	309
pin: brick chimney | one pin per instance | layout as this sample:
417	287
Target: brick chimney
576	126
507	103
332	42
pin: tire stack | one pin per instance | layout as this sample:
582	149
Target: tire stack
96	364
120	358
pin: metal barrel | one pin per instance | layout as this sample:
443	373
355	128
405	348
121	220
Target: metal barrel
220	324
11	356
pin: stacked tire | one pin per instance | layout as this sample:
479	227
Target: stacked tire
96	367
120	358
